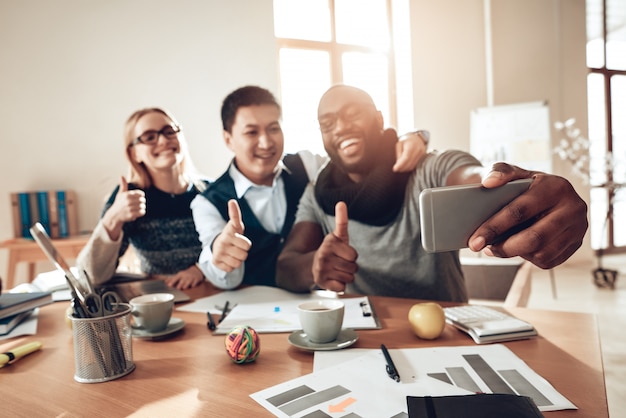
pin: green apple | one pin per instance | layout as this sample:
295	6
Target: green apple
427	320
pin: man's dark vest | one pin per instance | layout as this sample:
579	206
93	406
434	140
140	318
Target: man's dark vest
260	266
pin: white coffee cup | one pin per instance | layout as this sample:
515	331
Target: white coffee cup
152	312
321	320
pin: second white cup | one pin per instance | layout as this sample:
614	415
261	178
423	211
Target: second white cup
152	312
321	320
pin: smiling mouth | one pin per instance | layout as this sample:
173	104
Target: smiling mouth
166	152
347	143
264	156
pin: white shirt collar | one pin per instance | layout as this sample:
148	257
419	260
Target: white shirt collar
243	184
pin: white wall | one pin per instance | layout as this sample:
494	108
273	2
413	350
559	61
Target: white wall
449	68
538	49
539	54
72	71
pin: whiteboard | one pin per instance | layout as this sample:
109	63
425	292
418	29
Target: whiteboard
517	134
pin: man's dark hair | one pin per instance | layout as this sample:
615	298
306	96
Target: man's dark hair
244	96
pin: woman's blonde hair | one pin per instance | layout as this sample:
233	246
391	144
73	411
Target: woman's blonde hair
138	174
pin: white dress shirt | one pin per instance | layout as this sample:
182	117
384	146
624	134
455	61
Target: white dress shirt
268	203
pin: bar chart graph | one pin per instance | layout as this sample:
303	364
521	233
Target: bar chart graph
354	383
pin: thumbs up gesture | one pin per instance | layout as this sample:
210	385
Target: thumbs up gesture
334	263
230	247
127	206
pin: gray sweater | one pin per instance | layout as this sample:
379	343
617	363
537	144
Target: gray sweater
391	259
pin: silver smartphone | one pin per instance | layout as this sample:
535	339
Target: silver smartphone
449	215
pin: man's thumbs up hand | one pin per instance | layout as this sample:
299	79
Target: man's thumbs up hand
334	263
230	248
234	214
341	222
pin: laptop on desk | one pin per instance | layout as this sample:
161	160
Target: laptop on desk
129	285
126	285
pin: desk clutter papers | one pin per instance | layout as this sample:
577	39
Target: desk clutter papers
247	295
282	316
355	381
14	303
269	309
9	322
50	281
28	326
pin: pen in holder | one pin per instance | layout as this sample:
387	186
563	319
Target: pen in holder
103	346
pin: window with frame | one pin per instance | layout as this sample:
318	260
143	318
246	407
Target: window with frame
606	91
365	43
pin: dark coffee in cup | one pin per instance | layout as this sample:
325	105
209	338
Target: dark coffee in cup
321	320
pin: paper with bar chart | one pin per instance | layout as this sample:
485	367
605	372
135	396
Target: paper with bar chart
355	381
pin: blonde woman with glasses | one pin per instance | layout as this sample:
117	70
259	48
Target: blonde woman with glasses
150	211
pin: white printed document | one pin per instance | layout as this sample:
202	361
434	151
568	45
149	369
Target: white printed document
269	309
356	381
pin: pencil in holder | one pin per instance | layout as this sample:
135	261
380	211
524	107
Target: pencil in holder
103	346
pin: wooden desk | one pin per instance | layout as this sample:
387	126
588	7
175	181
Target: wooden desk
190	374
27	250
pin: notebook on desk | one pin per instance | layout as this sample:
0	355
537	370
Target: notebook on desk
14	303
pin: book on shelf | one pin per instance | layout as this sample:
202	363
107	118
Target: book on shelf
15	214
34	210
56	210
9	322
62	210
71	213
14	303
53	214
25	215
44	213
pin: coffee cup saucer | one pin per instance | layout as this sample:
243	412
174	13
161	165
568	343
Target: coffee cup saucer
175	324
346	338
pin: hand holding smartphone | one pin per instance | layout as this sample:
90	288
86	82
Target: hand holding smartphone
449	215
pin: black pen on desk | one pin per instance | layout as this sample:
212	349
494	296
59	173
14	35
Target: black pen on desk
392	372
211	323
224	312
367	311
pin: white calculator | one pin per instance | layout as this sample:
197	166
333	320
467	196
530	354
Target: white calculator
488	325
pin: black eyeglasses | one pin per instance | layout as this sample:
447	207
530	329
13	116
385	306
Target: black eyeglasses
151	137
349	113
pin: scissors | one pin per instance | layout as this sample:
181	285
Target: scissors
102	305
85	301
98	304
